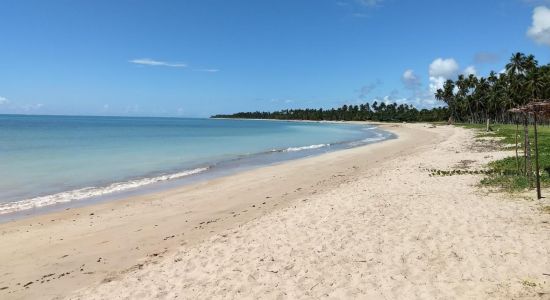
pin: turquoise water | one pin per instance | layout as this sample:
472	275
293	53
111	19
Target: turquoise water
49	160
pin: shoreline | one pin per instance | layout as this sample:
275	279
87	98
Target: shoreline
363	222
159	182
95	243
390	231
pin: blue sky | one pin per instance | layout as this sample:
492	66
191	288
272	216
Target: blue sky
196	58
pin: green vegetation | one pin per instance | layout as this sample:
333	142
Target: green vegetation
436	172
528	283
375	112
468	99
474	100
508	173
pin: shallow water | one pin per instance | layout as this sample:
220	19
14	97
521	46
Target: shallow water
49	160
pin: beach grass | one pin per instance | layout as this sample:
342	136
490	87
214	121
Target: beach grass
505	173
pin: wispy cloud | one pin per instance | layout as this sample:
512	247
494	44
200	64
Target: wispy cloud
132	108
11	106
369	3
207	70
31	107
359	8
536	2
411	80
486	58
287	101
367	89
360	15
157	63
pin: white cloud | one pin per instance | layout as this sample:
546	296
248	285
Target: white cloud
105	106
418	102
410	79
440	70
470	70
152	62
447	67
436	83
540	29
4	100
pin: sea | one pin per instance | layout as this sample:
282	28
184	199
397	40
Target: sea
59	161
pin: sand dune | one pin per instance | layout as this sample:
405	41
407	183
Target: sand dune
392	231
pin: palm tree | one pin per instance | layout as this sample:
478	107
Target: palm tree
447	95
534	83
517	67
531	63
517	64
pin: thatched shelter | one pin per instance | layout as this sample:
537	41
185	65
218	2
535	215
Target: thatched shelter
539	109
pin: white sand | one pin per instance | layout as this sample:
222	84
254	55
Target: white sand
50	256
390	232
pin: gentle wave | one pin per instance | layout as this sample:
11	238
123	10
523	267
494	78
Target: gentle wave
310	147
88	192
377	138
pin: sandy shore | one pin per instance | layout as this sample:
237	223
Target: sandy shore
368	221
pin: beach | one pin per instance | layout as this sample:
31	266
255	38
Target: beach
366	222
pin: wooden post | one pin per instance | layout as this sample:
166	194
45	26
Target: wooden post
517	157
539	196
525	145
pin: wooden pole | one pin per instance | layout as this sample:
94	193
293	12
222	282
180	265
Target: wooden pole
517	157
539	196
525	143
529	159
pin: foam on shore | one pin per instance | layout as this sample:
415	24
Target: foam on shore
88	192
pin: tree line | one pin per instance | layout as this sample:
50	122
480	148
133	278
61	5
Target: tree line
467	99
477	99
363	112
